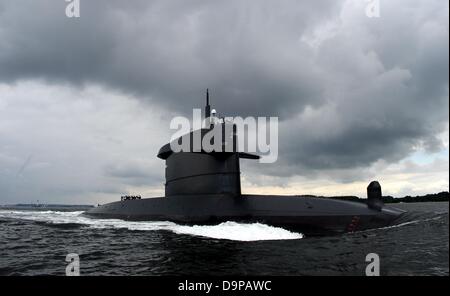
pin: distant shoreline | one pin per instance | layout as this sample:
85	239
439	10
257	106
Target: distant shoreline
46	207
435	197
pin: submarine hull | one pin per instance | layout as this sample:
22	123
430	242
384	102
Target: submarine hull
309	215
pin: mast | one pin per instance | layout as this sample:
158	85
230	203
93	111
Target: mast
207	107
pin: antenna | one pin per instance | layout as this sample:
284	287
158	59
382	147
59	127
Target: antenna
208	107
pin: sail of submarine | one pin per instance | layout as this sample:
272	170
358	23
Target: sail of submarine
205	188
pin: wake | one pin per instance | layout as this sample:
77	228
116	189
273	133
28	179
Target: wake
226	230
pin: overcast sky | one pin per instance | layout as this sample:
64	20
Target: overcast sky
85	103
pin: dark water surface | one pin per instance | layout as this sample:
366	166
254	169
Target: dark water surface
36	243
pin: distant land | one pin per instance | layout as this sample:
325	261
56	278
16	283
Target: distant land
47	207
434	197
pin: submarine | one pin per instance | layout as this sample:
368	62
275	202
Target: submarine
203	187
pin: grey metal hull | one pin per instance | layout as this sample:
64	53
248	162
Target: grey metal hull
311	216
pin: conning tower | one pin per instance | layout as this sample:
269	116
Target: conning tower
203	172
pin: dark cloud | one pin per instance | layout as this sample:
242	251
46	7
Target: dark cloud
171	52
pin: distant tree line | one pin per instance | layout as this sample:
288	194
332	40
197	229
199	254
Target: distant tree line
441	196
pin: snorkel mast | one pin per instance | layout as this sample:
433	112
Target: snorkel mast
207	107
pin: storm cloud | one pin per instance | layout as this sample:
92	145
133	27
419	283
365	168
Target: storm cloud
350	91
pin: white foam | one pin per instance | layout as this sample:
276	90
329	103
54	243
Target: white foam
227	230
239	231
